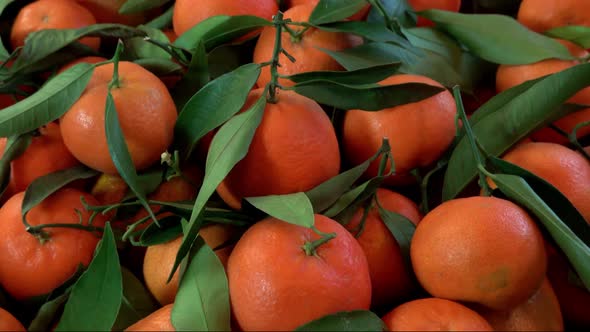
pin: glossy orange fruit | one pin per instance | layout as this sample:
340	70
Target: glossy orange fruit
158	320
51	14
434	314
390	279
30	267
542	15
146	112
294	149
418	5
484	250
306	50
275	284
9	323
405	126
107	11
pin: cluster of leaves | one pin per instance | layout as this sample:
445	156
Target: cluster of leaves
461	51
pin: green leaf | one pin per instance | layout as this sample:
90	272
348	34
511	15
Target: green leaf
371	31
214	104
551	196
328	11
292	208
369	97
402	230
138	48
160	67
96	297
40	44
47	314
328	192
14	148
218	30
169	229
137	302
399	10
575	33
49	103
46	185
3	52
196	76
497	38
138	6
358	320
373	54
162	21
576	251
360	76
352	199
120	153
202	301
512	121
229	146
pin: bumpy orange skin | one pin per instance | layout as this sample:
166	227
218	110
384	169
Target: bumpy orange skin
565	169
434	314
510	76
390	279
541	312
418	5
306	51
274	285
46	154
405	126
29	268
542	15
294	149
146	112
9	323
157	321
484	250
52	14
186	15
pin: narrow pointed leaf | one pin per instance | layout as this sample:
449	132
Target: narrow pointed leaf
576	34
328	11
346	321
136	303
361	76
293	208
14	148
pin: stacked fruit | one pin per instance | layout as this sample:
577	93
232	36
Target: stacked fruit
302	165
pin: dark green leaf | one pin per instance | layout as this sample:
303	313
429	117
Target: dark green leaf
435	41
512	121
352	199
136	303
328	11
551	196
44	186
214	104
229	146
47	104
14	148
293	208
96	297
365	97
371	31
218	30
497	38
46	315
120	153
576	251
139	48
360	76
3	52
574	33
328	192
373	54
196	76
358	320
160	67
226	58
402	230
399	10
162	21
138	6
202	301
169	229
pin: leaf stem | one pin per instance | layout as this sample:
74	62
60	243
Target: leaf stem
483	183
115	82
573	137
274	64
310	247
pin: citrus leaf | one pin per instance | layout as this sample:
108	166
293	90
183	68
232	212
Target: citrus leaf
138	6
512	121
576	251
136	302
162	21
139	48
169	229
368	97
96	297
358	320
47	104
229	146
562	206
3	52
328	192
292	208
399	10
328	11
42	187
14	148
47	313
497	38
160	67
120	153
352	199
360	76
214	104
576	34
371	31
220	29
196	76
402	230
202	301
